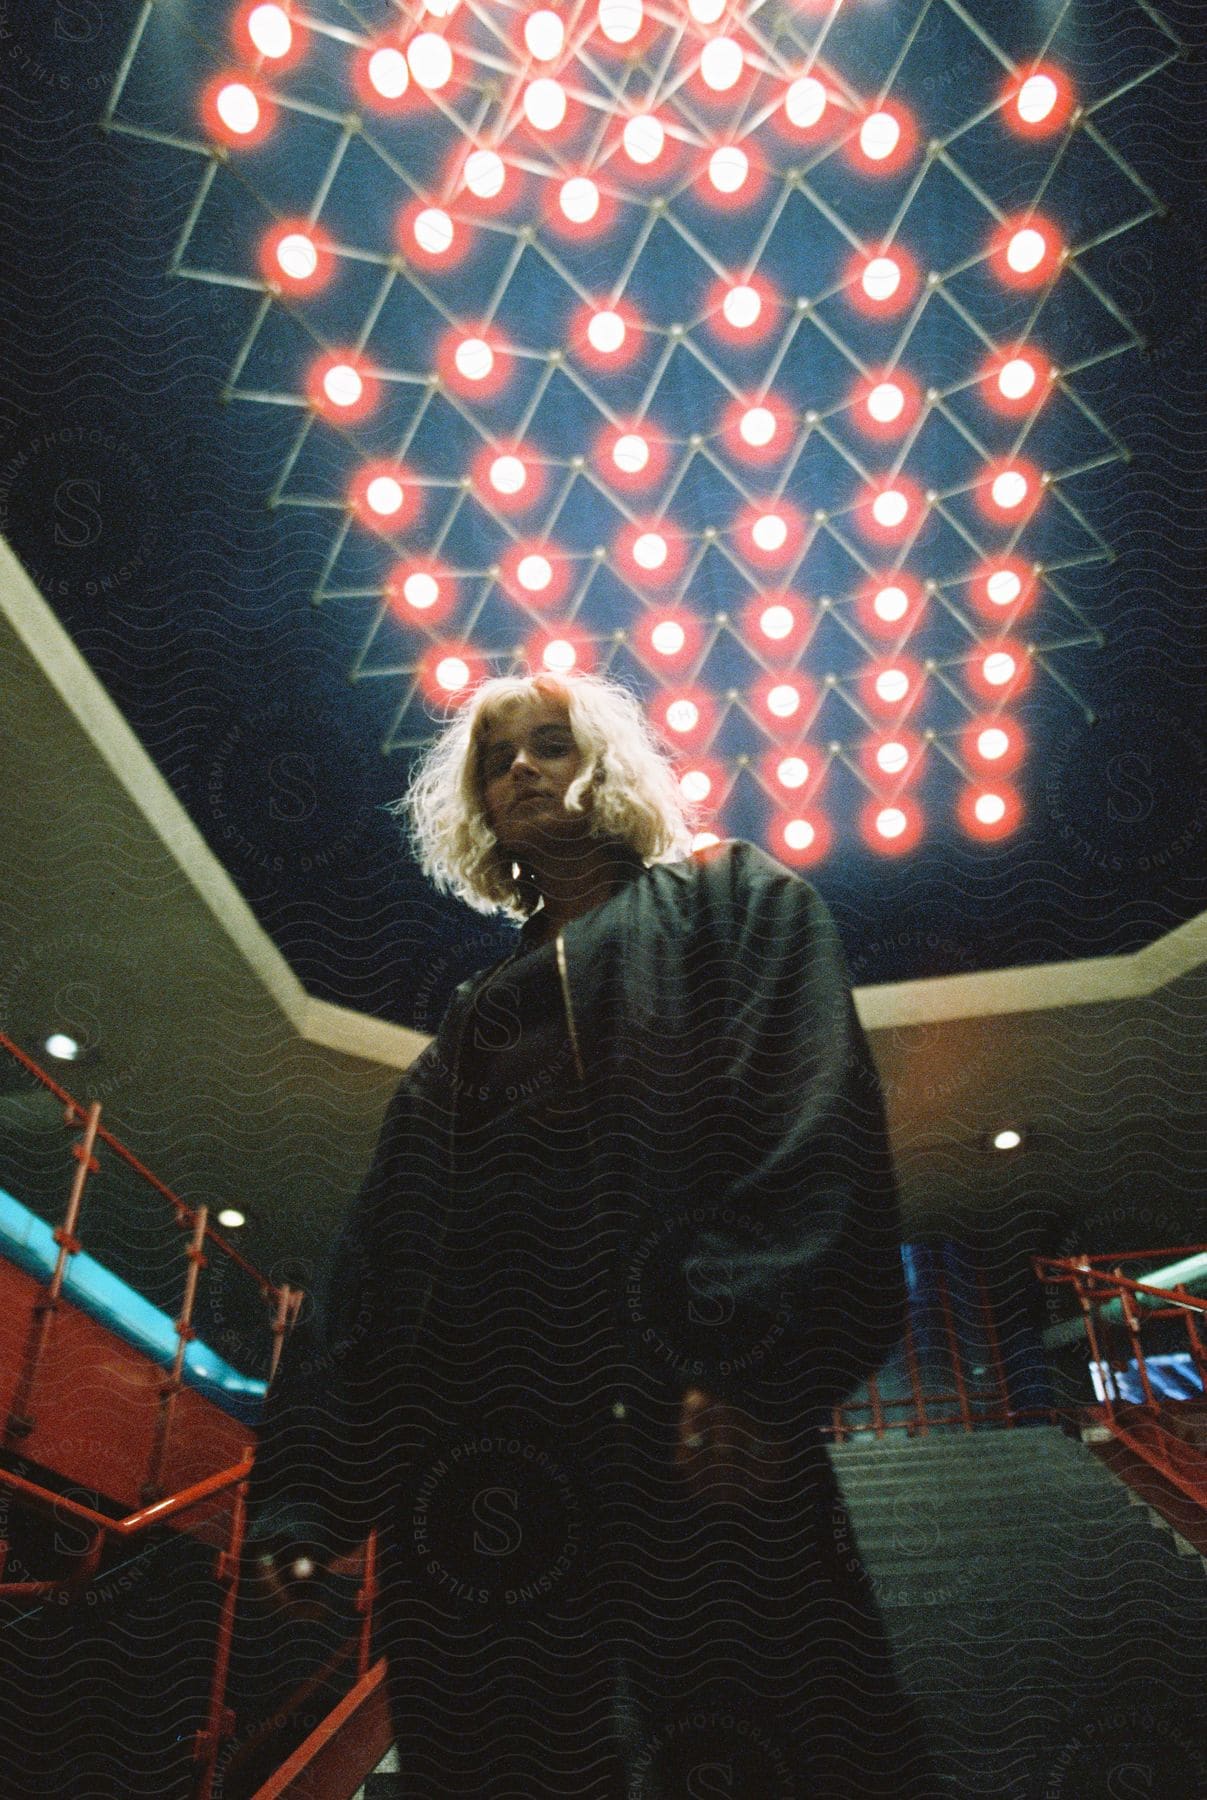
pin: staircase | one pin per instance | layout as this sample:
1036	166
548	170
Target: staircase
1055	1640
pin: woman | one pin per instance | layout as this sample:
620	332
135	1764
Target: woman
629	1234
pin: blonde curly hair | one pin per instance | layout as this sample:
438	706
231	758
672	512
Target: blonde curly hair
637	800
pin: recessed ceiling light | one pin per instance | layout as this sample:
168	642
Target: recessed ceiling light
232	1218
64	1047
1008	1139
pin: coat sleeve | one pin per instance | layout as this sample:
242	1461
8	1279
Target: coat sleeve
329	1447
790	1275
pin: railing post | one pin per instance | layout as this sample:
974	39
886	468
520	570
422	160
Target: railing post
953	1345
281	1321
1080	1287
195	1255
21	1418
915	1380
1197	1355
220	1720
877	1406
366	1599
1127	1301
995	1350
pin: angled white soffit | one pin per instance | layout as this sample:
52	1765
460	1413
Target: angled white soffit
1035	988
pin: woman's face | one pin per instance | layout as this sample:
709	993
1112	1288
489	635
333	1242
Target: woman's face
527	758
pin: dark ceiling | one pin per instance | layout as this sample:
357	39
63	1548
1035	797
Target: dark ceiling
137	500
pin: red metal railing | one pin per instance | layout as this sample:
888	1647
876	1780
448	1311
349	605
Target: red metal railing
219	1722
33	1399
202	1241
941	1397
1156	1430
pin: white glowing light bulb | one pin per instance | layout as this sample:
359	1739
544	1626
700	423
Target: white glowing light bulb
507	475
798	834
384	495
606	332
297	256
805	102
742	306
695	786
668	637
631	453
721	64
892	758
879	136
559	655
431	60
474	359
620	20
683	715
650	551
342	385
891	822
433	231
452	673
421	591
992	743
757	427
998	668
777	622
1009	489
881	278
544	34
579	199
891	604
892	685
728	168
886	402
783	700
270	30
706	12
484	174
1026	250
989	808
793	772
544	103
770	532
389	74
704	840
890	509
1036	98
534	573
644	137
238	108
1003	587
1016	378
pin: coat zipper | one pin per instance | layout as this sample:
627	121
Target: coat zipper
565	981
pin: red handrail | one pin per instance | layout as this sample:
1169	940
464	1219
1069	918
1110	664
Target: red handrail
184	1212
158	1509
1145	1429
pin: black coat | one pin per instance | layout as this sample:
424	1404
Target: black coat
707	1119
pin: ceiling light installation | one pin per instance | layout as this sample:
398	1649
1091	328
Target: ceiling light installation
733	355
